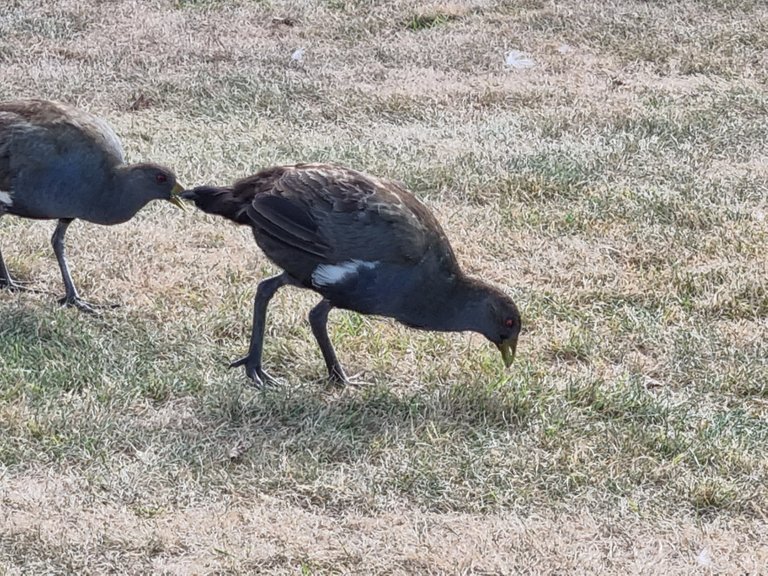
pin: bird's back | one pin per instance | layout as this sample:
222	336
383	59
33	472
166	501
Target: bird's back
53	157
334	214
361	241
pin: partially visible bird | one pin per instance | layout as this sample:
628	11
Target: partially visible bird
58	162
364	244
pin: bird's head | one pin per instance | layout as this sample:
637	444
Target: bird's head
498	319
153	182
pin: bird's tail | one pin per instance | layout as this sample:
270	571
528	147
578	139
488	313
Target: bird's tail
221	201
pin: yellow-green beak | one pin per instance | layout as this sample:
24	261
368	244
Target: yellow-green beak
507	349
175	198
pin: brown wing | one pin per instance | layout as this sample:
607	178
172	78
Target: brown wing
337	214
66	125
5	153
47	151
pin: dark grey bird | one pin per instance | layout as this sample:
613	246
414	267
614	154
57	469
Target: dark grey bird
58	162
364	244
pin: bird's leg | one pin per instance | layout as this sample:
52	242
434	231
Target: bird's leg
318	320
252	361
6	281
71	298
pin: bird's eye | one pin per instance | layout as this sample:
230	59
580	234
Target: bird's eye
161	178
509	322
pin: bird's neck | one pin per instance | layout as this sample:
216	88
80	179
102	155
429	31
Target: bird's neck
112	204
456	307
118	204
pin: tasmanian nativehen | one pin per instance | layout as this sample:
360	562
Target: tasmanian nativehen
58	162
364	244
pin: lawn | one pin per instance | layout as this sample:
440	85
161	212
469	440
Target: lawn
613	180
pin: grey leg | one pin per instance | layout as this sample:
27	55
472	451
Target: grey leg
318	320
6	281
71	297
252	361
5	277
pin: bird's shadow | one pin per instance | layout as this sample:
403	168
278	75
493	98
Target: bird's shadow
27	323
312	416
345	424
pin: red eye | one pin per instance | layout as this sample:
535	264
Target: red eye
161	178
509	322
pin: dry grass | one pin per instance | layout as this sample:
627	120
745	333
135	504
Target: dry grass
616	190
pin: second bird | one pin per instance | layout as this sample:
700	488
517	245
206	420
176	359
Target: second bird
58	162
364	244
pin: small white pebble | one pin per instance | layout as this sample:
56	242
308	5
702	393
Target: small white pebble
518	60
704	558
298	55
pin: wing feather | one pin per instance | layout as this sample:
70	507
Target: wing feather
286	222
336	215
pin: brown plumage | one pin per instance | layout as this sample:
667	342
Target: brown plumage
364	244
58	162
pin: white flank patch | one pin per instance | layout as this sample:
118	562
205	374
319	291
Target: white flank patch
5	198
330	274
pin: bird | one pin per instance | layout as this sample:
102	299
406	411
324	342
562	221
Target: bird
61	162
364	244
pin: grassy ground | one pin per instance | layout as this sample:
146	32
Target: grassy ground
617	190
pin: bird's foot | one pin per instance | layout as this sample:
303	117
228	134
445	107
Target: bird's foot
14	285
337	378
84	306
258	377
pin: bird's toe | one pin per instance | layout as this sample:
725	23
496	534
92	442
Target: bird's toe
355	383
80	304
14	285
238	362
339	379
258	377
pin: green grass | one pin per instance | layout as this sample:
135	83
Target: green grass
616	190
